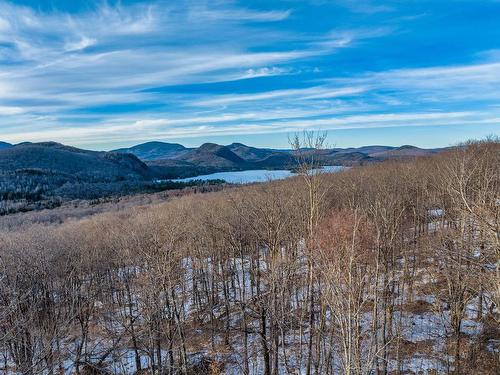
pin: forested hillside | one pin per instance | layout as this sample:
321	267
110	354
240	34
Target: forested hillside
178	161
43	175
391	268
34	171
46	174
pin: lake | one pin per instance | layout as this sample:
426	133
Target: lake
251	176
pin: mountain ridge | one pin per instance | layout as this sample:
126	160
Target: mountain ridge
80	164
162	160
211	157
31	173
5	145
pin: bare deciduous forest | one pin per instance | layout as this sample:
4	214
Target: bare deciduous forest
391	268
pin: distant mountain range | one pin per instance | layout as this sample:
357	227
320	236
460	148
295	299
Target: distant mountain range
170	160
175	159
35	171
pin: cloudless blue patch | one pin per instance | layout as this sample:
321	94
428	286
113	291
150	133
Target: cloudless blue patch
121	108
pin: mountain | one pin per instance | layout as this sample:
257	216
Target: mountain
4	145
56	158
41	175
211	153
174	160
153	150
64	164
208	158
348	158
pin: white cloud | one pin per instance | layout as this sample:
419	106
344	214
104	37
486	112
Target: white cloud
4	25
239	117
437	86
204	13
139	47
121	130
9	111
50	78
265	72
447	77
83	43
301	94
364	6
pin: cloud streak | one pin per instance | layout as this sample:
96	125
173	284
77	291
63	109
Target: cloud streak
111	73
123	132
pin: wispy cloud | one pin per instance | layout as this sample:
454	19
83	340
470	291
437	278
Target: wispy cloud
152	70
301	94
83	43
7	111
265	72
123	131
442	84
207	13
118	51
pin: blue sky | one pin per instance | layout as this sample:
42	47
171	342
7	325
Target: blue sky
102	75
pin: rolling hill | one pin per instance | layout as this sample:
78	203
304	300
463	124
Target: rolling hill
211	154
176	160
39	175
34	169
249	153
161	160
55	158
4	145
47	172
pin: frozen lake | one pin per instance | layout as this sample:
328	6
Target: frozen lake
258	175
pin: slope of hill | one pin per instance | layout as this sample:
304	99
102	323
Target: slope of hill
49	171
175	160
249	153
49	165
80	164
277	160
4	145
347	158
40	175
213	155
